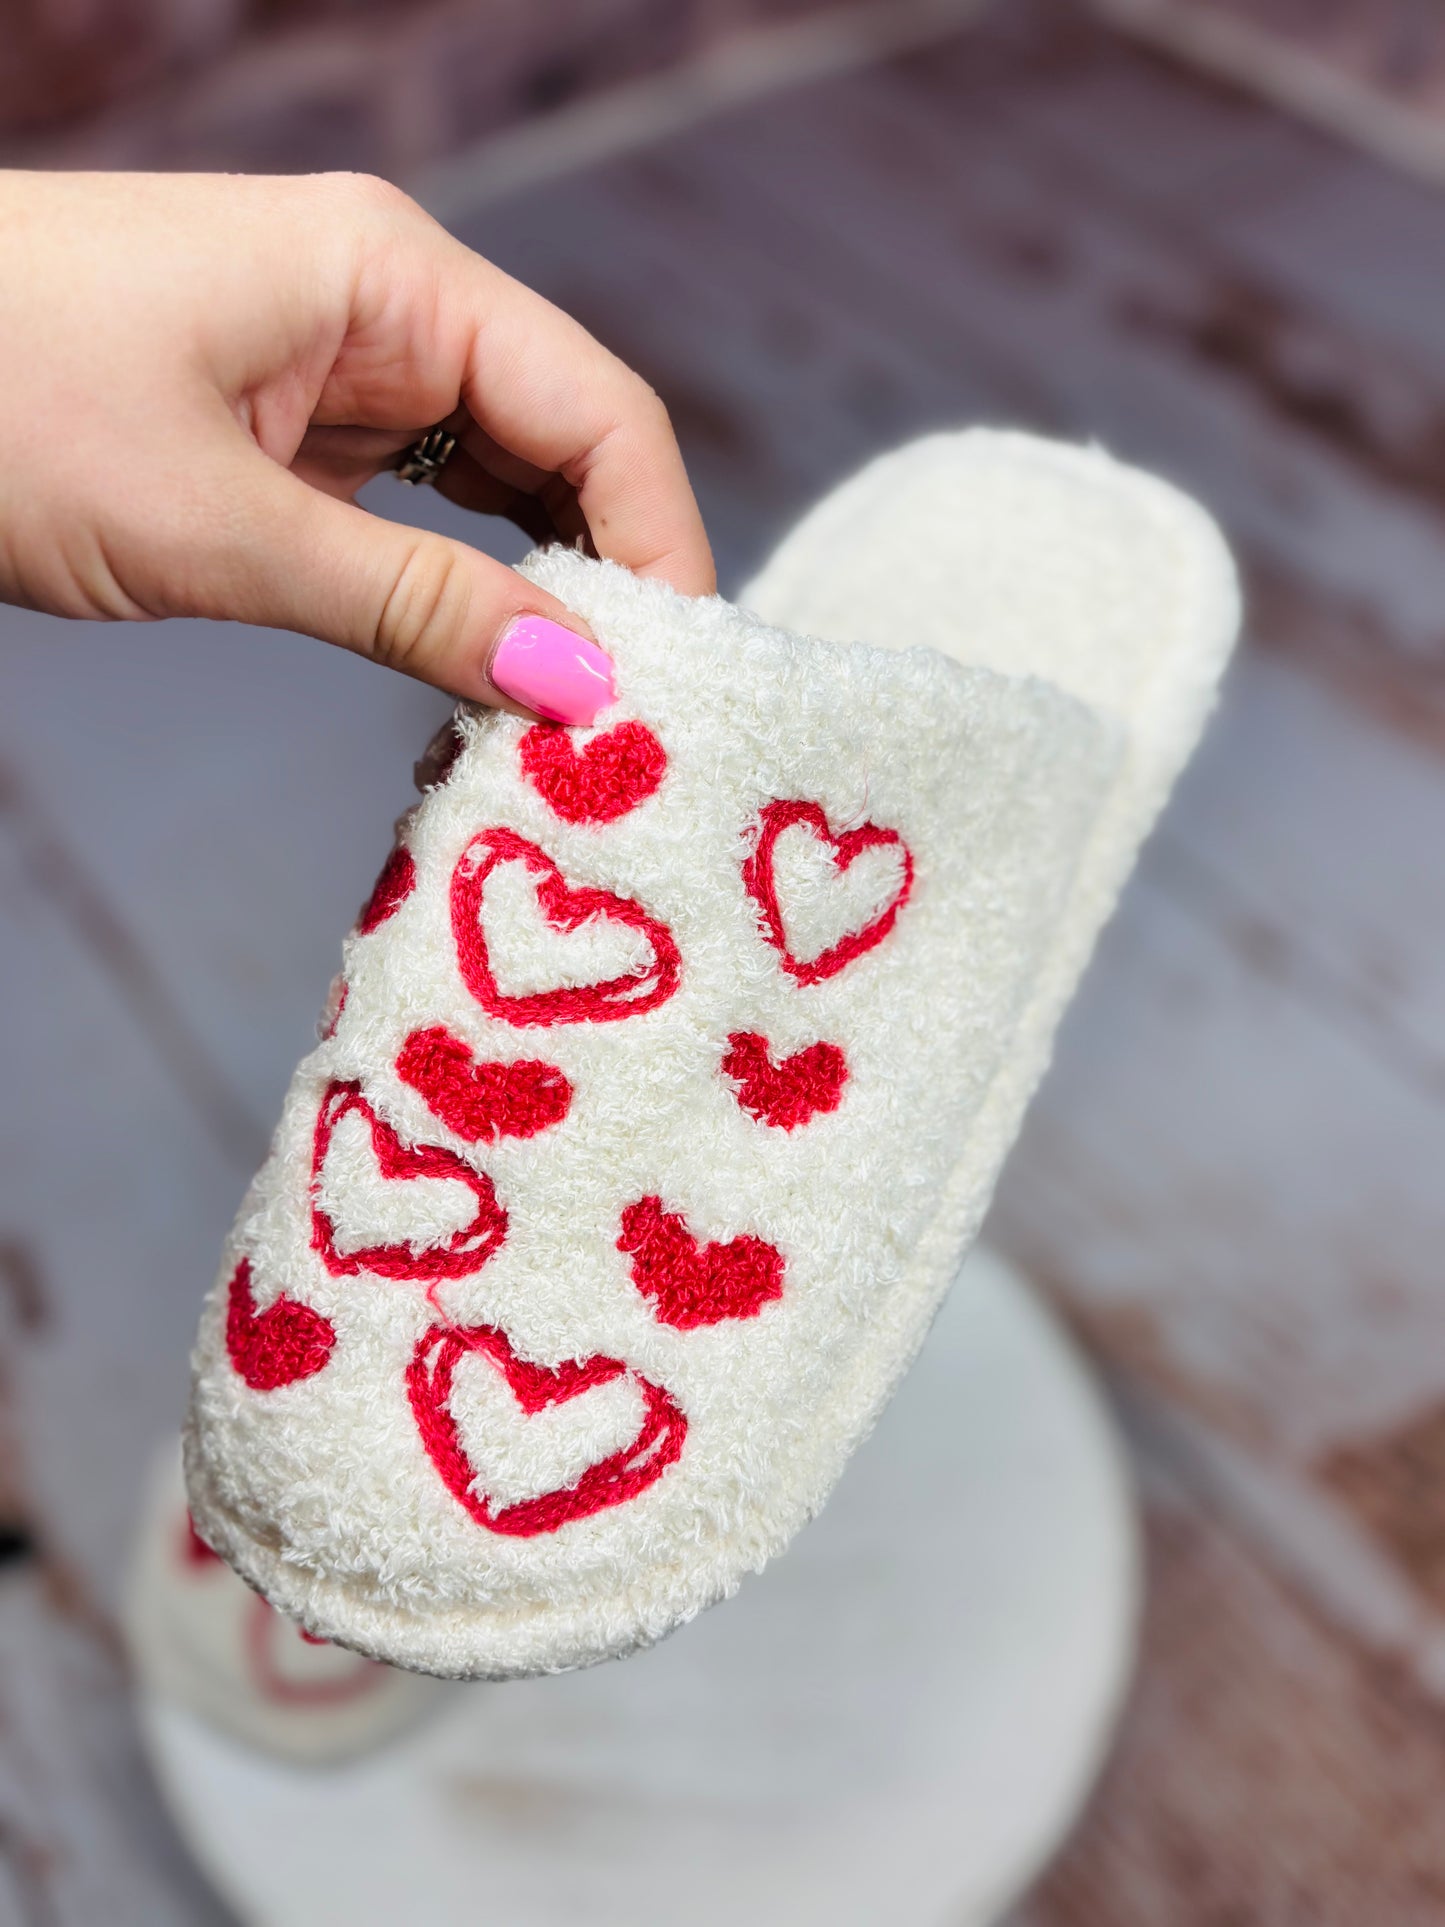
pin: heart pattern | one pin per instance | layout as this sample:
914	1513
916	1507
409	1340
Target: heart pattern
689	1283
482	1101
390	891
761	882
566	907
790	1092
281	1345
611	1480
611	775
624	962
466	1250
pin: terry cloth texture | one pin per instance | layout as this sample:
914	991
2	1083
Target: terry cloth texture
678	1058
197	1637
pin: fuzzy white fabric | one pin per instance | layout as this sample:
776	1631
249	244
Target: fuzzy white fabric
199	1638
1074	618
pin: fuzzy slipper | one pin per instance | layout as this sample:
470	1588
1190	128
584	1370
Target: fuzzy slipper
197	1637
676	1061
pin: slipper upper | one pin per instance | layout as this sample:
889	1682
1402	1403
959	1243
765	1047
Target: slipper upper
597	1231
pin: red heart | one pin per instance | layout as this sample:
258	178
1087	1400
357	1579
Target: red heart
566	906
286	1342
266	1633
464	1252
611	1481
482	1100
692	1284
791	1091
762	887
613	774
390	891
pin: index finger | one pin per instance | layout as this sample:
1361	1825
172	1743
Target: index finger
546	390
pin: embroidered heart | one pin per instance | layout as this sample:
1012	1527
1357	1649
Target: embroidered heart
791	1091
482	1100
609	1480
609	776
648	979
802	927
278	1346
407	1199
390	891
692	1284
276	1650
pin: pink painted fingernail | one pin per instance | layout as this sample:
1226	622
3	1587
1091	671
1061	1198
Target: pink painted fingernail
560	674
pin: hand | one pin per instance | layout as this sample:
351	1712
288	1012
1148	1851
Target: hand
199	373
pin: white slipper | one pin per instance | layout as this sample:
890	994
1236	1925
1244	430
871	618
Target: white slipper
677	1060
199	1638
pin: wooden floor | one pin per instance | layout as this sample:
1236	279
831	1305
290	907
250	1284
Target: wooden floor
1232	1183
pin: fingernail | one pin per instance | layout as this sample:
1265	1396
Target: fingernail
553	670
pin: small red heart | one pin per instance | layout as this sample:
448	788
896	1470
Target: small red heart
482	1100
611	1481
390	891
693	1284
761	885
286	1342
566	906
791	1091
605	779
464	1252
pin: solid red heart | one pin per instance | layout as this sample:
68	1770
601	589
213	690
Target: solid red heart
286	1342
761	885
692	1284
611	1481
566	906
390	891
466	1251
596	784
482	1100
790	1092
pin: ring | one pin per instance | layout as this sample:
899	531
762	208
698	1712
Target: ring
426	459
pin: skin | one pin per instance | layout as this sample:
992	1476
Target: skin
200	371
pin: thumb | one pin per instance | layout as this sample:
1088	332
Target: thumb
410	599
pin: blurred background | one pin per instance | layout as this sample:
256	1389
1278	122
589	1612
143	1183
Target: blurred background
1211	234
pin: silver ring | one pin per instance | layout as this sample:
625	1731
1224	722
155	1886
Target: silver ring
426	459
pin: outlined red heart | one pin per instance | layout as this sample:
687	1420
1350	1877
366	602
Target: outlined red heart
466	1251
609	1482
692	1284
609	776
480	1101
390	891
566	907
761	884
281	1345
266	1632
792	1090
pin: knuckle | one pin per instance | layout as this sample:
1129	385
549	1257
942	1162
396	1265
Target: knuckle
425	609
652	413
369	192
